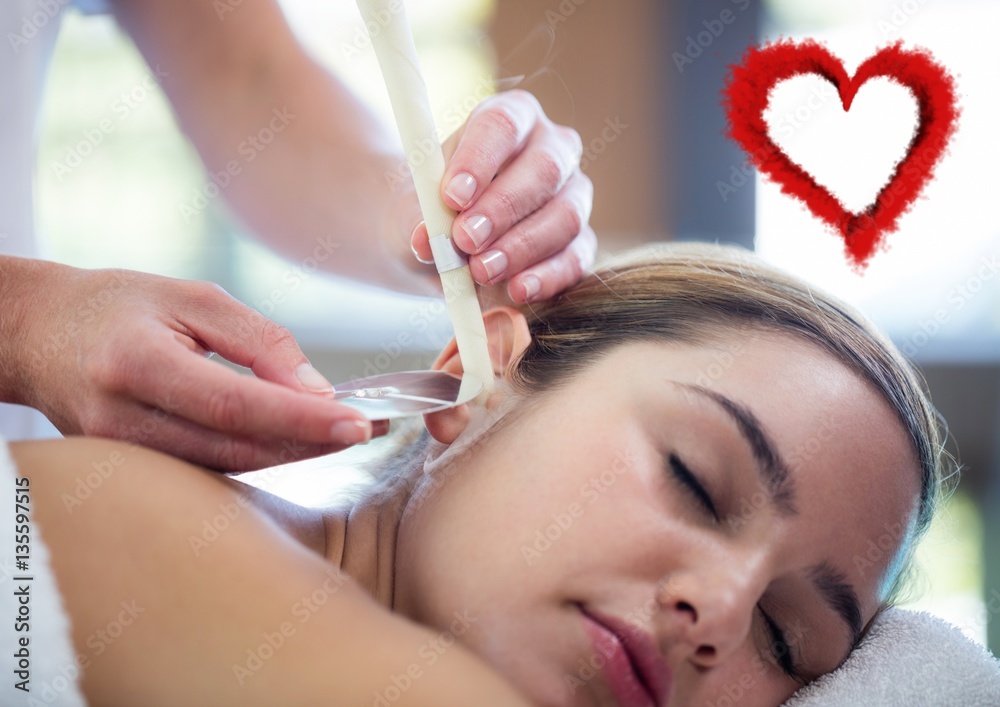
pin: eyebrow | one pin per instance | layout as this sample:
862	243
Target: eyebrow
770	466
839	595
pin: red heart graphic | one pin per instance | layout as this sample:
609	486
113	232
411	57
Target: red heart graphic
746	97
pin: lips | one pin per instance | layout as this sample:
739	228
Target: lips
633	668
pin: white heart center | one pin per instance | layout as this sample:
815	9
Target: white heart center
851	153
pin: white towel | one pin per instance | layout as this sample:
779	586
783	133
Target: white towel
50	667
909	659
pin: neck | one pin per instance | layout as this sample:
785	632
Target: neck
361	540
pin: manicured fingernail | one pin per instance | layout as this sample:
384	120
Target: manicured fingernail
461	188
479	229
417	256
312	379
532	285
413	247
351	431
495	263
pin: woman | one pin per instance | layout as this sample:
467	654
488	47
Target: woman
673	495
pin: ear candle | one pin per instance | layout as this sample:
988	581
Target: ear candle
397	57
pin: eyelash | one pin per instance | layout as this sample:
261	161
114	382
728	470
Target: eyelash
694	486
783	657
691	483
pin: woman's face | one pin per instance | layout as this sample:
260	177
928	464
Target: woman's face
659	519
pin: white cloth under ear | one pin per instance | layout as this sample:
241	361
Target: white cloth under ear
909	659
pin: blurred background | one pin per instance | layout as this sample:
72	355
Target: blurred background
640	81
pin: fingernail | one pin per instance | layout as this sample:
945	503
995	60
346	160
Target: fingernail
532	285
417	256
351	431
461	188
312	379
479	229
414	248
495	263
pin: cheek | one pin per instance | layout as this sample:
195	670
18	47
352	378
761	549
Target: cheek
513	527
747	679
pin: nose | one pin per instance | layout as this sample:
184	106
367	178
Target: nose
705	613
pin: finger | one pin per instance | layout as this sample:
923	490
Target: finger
527	183
541	235
495	132
553	275
420	244
219	398
244	336
157	429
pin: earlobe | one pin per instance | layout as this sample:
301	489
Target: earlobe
507	335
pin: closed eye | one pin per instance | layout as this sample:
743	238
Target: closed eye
692	484
781	649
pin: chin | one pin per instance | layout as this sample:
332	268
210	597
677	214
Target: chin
543	666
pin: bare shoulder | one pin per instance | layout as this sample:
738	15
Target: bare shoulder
132	527
238	613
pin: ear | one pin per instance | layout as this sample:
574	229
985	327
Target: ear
507	335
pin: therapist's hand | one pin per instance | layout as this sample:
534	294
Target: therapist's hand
524	204
121	354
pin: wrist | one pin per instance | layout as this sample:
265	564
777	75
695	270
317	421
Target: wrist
26	283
